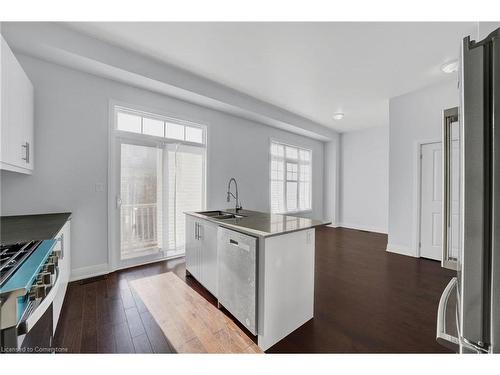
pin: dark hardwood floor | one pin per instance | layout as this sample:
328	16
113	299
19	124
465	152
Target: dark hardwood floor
366	301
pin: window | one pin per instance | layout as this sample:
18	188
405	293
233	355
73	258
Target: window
290	178
160	178
133	121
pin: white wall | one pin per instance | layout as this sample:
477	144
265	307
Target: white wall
484	28
71	136
414	117
364	179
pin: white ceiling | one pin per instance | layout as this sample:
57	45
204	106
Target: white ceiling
311	69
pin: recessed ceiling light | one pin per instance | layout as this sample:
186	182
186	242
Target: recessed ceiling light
338	116
450	67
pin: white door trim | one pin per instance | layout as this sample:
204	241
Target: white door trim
417	189
111	187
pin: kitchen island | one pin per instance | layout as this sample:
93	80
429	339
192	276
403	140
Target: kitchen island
259	266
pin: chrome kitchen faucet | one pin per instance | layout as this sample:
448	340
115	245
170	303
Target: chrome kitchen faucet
229	194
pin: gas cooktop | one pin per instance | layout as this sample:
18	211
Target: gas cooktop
12	256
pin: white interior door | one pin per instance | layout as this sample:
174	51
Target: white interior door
431	201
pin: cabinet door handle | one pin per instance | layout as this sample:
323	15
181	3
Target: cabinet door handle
195	231
26	147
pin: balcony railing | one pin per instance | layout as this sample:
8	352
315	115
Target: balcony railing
138	228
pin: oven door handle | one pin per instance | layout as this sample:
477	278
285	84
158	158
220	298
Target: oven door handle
34	314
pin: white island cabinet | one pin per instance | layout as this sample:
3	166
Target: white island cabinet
16	152
201	252
286	285
260	267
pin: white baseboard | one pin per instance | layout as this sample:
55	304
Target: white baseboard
105	268
402	250
363	227
89	271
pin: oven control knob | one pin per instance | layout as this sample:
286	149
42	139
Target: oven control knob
32	294
54	259
51	258
40	291
49	267
45	278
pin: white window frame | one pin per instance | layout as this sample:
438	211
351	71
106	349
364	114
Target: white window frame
137	111
294	161
115	136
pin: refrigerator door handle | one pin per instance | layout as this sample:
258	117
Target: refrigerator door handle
450	116
447	330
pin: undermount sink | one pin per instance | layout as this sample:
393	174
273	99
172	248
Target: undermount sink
211	213
220	215
228	216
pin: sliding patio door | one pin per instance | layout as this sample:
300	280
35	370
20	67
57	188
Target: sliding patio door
157	184
140	201
186	191
154	180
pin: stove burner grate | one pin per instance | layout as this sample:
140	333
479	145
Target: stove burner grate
12	256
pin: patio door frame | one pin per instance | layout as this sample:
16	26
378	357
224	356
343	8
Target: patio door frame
116	138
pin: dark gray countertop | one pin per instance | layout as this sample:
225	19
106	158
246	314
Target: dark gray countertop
263	224
22	228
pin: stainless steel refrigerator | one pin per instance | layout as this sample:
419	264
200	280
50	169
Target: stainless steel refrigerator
469	309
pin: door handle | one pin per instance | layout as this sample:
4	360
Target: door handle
450	116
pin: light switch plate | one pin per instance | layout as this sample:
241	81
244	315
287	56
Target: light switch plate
99	187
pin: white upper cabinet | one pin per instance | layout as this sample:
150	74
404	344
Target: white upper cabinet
16	152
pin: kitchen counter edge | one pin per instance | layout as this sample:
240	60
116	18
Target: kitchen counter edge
255	232
21	228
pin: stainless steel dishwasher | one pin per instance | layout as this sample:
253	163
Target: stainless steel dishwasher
237	273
